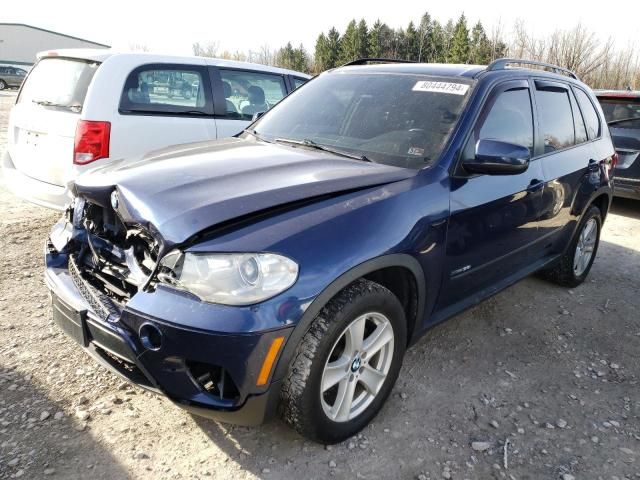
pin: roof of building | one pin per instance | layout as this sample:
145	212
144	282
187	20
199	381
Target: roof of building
54	33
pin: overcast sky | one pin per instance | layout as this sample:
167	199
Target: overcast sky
173	26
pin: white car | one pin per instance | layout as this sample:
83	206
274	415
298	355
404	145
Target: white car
80	109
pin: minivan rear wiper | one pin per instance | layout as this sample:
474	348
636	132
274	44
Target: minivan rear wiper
311	144
622	120
48	103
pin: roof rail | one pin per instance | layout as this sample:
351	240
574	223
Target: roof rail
501	64
364	61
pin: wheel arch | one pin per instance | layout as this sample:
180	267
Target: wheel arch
386	270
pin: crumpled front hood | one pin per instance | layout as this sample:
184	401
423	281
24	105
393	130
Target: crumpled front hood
185	189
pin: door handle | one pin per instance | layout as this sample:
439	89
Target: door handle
535	185
593	166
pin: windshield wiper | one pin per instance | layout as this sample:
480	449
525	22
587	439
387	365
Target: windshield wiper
48	103
311	144
622	120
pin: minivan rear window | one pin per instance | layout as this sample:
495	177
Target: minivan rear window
59	83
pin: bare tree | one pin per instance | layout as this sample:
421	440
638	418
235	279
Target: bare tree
206	50
138	47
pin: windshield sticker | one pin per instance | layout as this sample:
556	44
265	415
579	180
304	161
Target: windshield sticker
442	87
416	151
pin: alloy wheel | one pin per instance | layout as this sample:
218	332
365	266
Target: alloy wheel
357	367
585	247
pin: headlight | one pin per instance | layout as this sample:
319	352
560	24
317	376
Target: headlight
229	278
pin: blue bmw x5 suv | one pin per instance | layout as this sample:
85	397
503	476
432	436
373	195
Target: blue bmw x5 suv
290	268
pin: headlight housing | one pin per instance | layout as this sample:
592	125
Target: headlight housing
229	278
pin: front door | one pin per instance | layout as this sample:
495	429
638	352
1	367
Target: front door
494	218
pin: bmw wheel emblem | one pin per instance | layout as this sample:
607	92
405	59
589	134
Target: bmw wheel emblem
114	200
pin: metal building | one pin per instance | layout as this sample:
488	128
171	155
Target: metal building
20	43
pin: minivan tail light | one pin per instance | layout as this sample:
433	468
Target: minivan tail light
92	141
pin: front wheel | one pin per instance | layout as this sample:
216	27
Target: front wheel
346	364
3	85
574	266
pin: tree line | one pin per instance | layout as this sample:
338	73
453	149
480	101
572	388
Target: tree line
595	61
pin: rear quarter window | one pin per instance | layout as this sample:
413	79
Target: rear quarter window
591	117
58	83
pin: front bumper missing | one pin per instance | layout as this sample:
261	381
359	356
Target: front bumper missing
114	343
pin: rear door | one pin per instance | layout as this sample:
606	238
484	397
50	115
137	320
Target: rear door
493	223
243	94
43	122
568	158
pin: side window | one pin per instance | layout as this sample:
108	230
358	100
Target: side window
298	82
165	89
556	119
247	93
578	122
509	119
591	117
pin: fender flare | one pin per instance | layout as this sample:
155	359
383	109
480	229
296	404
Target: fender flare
370	266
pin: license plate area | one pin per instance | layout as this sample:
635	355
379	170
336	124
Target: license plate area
30	138
71	321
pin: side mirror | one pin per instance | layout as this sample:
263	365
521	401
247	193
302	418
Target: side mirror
256	116
494	157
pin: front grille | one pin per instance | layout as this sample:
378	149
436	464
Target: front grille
116	259
100	303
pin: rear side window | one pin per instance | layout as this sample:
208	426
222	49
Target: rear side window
163	89
509	119
556	119
60	83
621	112
591	117
247	93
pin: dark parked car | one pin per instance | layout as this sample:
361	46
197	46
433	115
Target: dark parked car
11	77
293	265
622	110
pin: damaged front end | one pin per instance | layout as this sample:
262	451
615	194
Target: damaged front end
95	265
115	259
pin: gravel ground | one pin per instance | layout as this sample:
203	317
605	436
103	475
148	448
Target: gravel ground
537	382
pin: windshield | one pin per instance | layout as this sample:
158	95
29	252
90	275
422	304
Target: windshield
621	112
59	83
401	120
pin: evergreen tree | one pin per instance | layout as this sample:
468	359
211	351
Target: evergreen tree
292	58
424	37
333	48
376	46
362	46
412	45
459	51
480	48
349	45
322	54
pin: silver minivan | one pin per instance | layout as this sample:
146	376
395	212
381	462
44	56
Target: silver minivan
82	109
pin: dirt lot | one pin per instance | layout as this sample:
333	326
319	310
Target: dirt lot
545	374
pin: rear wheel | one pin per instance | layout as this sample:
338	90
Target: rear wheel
3	85
575	264
346	364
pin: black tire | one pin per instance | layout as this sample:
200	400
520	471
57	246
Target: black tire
3	85
301	405
563	272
